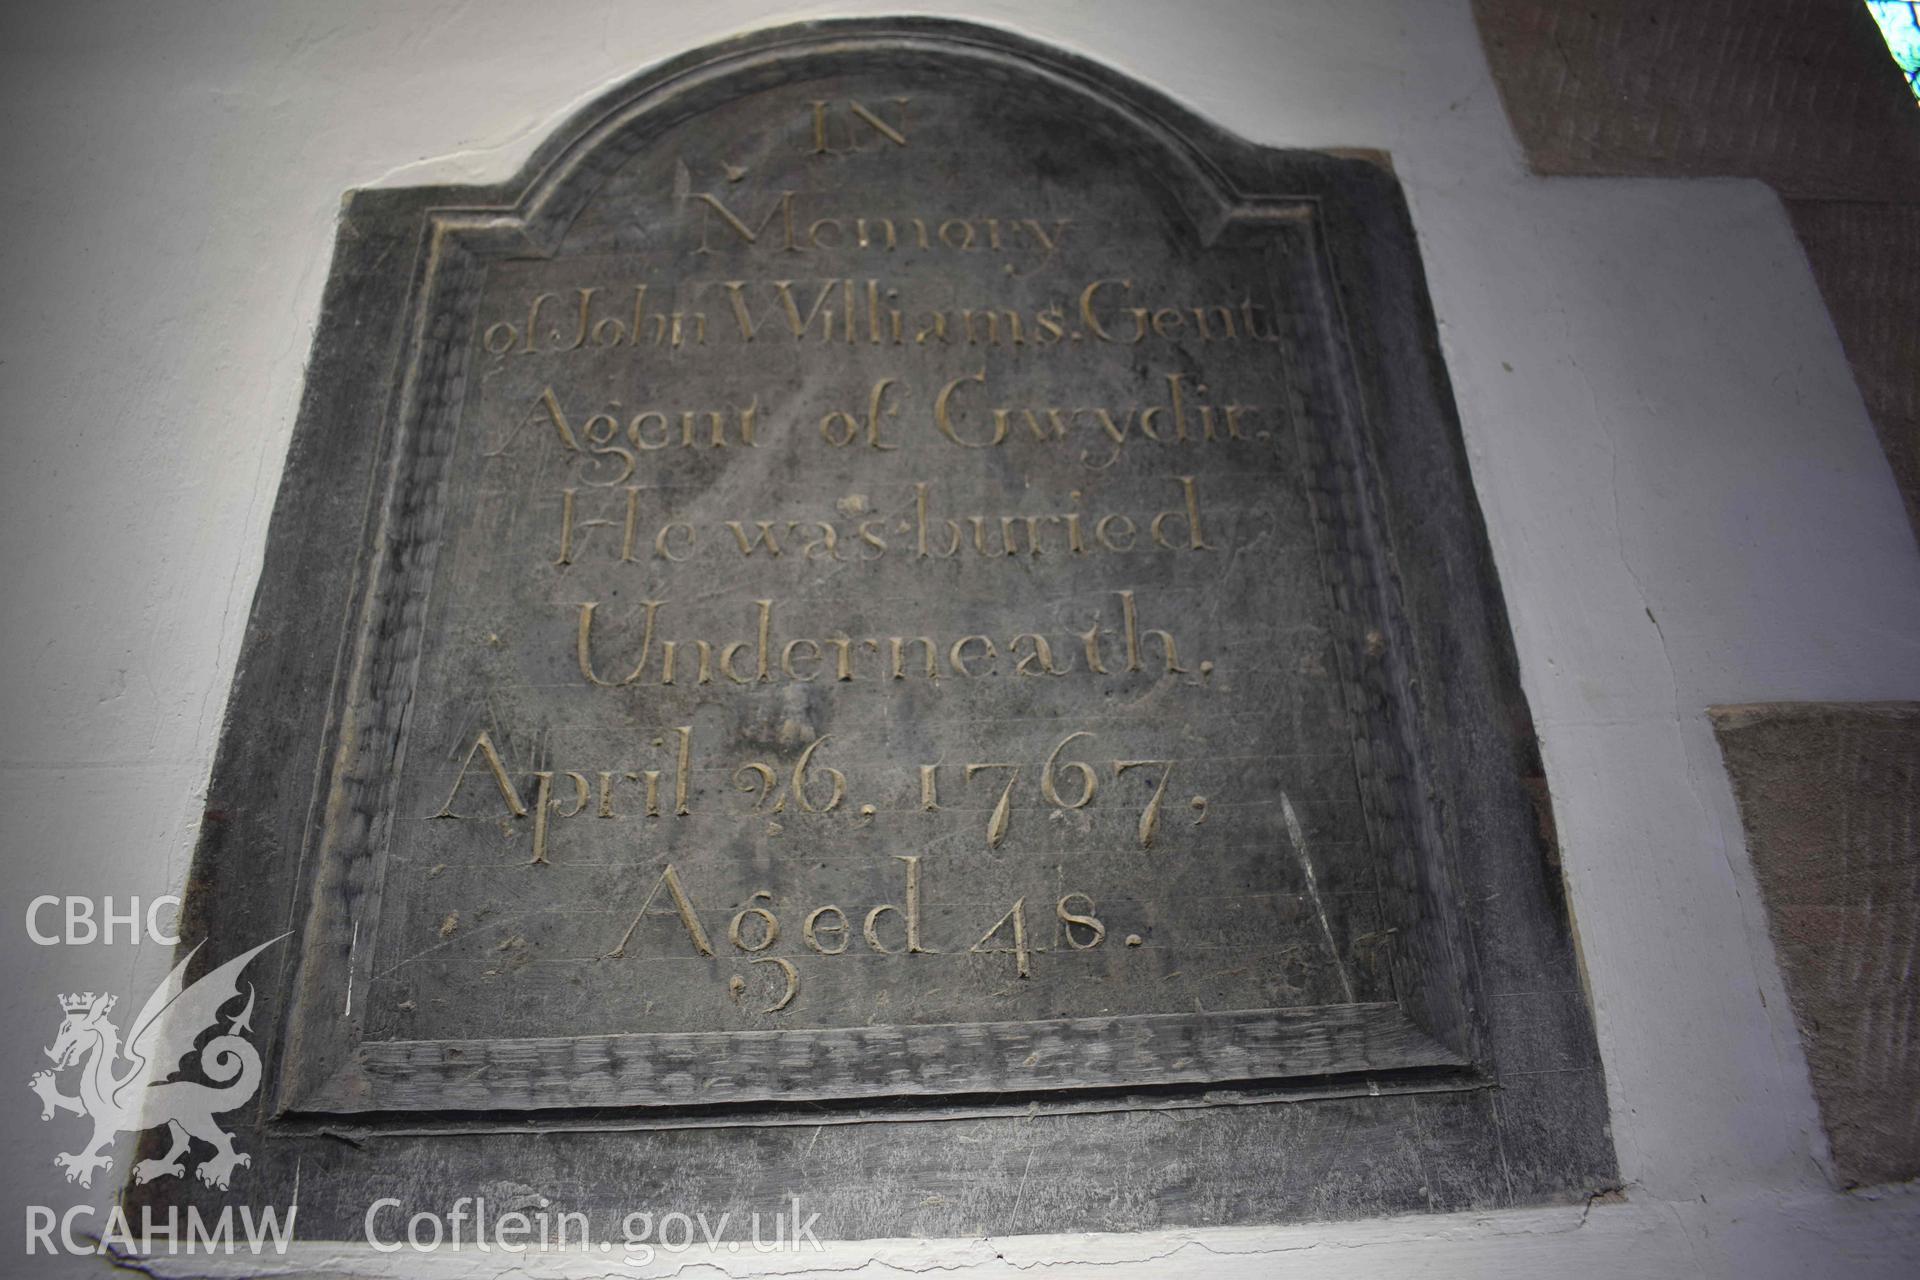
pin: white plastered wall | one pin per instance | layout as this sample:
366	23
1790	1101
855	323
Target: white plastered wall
1686	502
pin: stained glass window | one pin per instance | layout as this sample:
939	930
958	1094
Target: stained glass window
1900	22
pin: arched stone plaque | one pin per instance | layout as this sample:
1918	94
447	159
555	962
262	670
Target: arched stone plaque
894	581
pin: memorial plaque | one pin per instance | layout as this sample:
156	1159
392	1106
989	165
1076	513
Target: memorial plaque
893	576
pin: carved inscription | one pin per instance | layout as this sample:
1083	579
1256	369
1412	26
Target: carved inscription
866	605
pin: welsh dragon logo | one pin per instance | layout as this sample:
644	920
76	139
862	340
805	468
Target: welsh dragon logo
143	1096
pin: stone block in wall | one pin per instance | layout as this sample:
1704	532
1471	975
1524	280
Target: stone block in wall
1798	93
1828	796
1866	258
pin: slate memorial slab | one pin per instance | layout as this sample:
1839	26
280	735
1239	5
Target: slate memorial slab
894	581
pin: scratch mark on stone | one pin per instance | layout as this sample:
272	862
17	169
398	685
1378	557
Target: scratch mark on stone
1298	840
1020	1191
352	945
